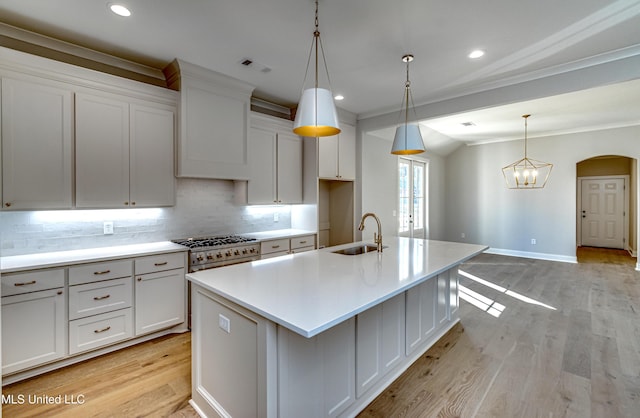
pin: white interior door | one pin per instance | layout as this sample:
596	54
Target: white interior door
411	198
602	212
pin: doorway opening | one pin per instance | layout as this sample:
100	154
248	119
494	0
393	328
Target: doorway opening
606	207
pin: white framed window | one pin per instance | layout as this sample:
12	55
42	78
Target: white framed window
412	198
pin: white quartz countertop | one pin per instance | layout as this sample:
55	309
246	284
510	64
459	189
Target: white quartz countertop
279	233
62	258
312	291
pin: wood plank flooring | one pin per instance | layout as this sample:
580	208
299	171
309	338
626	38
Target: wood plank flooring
551	340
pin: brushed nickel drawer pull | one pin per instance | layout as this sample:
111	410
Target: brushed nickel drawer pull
102	297
160	264
25	283
98	331
97	273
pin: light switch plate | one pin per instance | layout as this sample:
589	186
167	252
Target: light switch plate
108	228
224	323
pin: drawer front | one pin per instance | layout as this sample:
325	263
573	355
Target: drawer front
278	245
302	250
18	283
305	241
100	330
89	273
100	297
159	262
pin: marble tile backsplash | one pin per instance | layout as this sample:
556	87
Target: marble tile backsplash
203	207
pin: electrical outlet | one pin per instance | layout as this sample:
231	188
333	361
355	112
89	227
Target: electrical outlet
108	228
533	241
224	323
276	217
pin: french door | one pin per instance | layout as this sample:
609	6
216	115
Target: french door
412	214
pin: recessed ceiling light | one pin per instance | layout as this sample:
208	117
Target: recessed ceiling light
338	97
476	53
120	10
468	124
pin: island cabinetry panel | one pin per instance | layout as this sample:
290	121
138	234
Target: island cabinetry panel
337	155
34	328
100	304
228	340
37	144
275	166
317	375
379	342
159	292
124	153
213	122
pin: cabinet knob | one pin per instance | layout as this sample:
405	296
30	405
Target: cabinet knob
126	203
139	279
133	203
8	204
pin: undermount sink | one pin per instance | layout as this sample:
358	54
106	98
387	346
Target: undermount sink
360	249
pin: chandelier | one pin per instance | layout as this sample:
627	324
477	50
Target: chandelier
527	173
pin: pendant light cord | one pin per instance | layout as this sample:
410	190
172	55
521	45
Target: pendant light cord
317	43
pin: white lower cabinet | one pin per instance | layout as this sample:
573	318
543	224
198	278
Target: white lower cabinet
105	306
284	246
379	342
159	300
34	329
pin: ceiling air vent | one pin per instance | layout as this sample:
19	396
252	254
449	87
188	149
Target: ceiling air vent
468	124
256	66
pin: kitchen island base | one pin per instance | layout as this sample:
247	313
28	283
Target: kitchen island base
246	365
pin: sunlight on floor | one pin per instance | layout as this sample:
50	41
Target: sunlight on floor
487	304
481	302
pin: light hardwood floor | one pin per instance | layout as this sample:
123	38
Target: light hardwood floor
551	340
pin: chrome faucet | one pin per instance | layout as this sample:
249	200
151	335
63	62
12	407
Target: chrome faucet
376	238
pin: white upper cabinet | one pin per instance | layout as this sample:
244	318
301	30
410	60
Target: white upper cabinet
337	155
214	123
102	152
151	168
275	163
124	153
37	128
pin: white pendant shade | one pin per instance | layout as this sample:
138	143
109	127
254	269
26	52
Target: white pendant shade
408	140
316	115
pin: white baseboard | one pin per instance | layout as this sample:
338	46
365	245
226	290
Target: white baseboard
537	256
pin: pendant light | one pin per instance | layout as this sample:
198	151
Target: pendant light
316	115
408	139
526	173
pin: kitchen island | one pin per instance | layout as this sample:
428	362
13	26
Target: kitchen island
319	333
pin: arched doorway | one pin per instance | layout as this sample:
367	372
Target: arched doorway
606	204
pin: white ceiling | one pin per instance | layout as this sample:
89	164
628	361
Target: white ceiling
364	41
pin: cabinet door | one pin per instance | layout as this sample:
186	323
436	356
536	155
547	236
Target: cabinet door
328	157
337	155
102	152
159	300
289	169
34	329
261	188
347	152
420	314
36	146
379	342
152	181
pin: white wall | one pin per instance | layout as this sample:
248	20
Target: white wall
380	186
203	207
479	205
